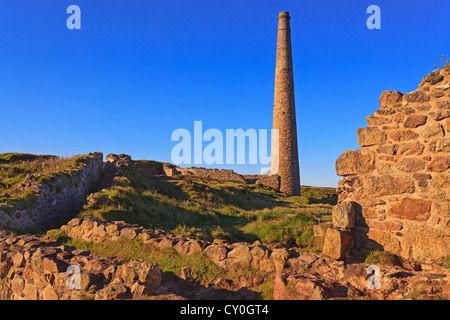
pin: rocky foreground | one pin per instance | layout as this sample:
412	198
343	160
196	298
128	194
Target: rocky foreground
37	267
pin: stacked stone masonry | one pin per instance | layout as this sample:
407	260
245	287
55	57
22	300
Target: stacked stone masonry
395	191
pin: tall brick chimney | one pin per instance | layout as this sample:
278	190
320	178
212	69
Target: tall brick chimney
284	154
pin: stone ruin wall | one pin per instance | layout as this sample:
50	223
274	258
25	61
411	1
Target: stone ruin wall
272	181
58	200
395	191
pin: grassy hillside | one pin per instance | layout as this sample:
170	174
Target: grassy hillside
210	208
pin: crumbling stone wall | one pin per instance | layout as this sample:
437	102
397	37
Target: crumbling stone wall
35	268
56	200
272	180
269	180
154	168
395	190
222	174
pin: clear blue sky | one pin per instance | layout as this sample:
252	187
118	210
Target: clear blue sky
137	70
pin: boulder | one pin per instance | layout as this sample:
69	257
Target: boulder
337	244
433	78
182	247
54	265
297	288
389	98
4	218
216	252
343	215
371	136
240	255
128	233
167	243
142	271
355	162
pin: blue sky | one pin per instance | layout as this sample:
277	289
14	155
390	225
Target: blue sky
137	70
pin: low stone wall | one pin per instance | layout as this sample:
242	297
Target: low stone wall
223	174
58	199
266	258
312	275
272	181
32	268
395	190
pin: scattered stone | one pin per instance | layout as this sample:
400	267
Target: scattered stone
343	215
185	274
371	136
216	252
128	233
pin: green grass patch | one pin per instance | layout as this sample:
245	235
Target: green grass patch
380	257
416	295
266	289
291	228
